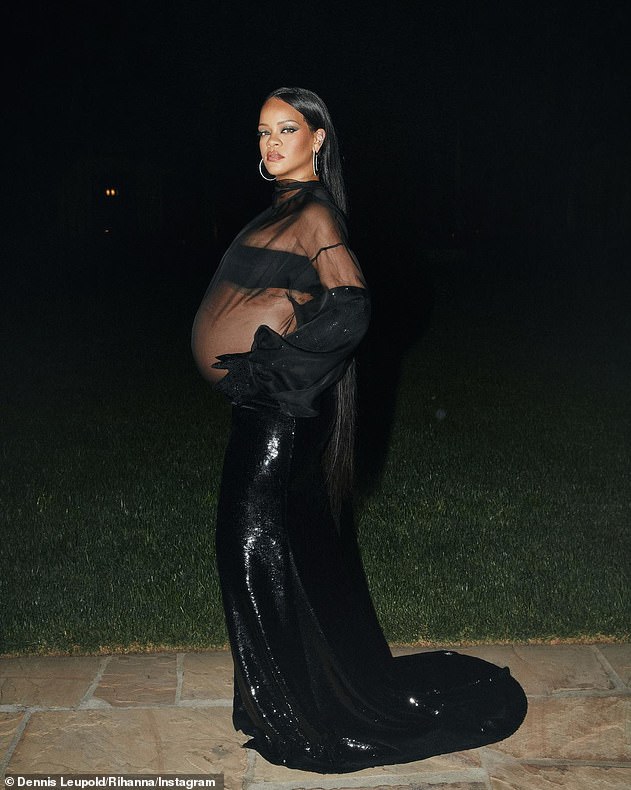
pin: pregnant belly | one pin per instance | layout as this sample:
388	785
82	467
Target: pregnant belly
229	327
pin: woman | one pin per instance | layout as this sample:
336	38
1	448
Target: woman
315	683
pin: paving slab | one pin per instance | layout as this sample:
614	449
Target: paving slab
138	680
207	676
507	773
576	728
49	681
619	658
565	777
544	671
150	740
432	786
9	724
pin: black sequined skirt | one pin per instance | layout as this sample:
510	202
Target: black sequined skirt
316	685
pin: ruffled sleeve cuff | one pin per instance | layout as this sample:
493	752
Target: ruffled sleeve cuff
291	372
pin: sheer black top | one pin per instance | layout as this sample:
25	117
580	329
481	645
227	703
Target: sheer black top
287	306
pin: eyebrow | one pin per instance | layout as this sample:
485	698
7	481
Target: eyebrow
289	120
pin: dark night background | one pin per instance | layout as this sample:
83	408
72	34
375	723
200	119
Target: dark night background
496	130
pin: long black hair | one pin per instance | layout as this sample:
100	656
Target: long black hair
338	457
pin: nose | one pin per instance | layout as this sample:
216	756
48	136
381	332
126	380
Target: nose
273	139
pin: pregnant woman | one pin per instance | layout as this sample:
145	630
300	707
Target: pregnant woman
316	686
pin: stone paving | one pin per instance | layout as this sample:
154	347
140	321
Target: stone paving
171	713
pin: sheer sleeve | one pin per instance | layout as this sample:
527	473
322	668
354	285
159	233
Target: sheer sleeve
294	369
323	238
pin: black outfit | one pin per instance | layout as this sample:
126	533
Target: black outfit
316	685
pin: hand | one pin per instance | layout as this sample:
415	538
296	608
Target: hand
239	384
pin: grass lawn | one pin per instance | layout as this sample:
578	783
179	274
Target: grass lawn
500	510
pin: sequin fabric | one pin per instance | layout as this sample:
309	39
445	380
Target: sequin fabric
316	686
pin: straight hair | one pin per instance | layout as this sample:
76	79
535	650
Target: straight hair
338	456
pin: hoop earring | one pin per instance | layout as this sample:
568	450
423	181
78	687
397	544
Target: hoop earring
316	169
262	174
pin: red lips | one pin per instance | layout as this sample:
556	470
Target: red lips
274	157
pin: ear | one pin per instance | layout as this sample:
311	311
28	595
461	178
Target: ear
318	139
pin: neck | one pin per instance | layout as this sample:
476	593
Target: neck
288	188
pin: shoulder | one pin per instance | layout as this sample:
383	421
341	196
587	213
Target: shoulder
319	212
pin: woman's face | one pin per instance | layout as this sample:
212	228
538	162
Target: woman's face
286	142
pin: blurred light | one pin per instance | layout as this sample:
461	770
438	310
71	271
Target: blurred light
111	192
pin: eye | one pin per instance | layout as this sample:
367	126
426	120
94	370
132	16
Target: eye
289	129
261	132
